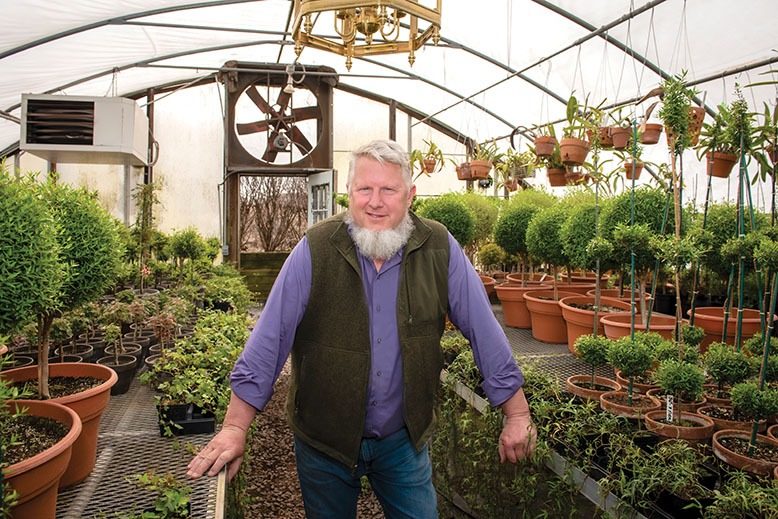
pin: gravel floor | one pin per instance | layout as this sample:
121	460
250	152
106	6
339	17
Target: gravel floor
271	474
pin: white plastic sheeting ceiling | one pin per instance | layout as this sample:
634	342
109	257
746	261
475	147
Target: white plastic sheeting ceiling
514	61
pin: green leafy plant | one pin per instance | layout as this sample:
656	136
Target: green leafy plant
753	403
593	350
91	250
676	101
453	214
681	379
740	496
172	497
726	366
31	273
543	241
632	358
491	256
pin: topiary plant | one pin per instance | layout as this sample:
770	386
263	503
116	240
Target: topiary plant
91	251
577	231
681	379
31	274
452	212
593	350
543	241
632	358
491	256
753	403
726	366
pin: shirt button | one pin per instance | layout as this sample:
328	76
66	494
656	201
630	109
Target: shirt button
373	403
379	373
379	340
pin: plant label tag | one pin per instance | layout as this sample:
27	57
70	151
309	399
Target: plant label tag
669	407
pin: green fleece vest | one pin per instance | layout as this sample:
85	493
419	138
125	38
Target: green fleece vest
331	352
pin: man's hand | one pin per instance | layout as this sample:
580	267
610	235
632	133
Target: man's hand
518	437
517	440
225	448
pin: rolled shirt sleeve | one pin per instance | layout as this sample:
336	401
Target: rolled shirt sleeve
471	312
270	343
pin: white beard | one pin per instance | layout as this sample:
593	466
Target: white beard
380	245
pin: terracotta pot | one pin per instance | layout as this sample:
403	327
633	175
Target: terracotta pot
618	324
603	135
615	402
515	277
557	177
576	288
480	168
701	431
620	137
514	307
723	423
650	133
626	296
573	151
739	461
36	479
546	315
463	171
636	386
630	171
720	164
581	322
574	385
696	118
429	165
544	145
89	405
584	277
711	319
711	390
686	407
489	284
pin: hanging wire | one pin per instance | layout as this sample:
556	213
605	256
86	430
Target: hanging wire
544	100
578	71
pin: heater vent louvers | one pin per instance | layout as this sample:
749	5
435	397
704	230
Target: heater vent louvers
60	122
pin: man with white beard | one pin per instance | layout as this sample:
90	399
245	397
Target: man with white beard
361	304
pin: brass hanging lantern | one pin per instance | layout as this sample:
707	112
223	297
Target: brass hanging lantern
364	28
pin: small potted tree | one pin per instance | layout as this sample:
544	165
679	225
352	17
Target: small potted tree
593	350
684	381
632	358
744	450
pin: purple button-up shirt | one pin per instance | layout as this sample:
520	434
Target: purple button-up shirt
271	341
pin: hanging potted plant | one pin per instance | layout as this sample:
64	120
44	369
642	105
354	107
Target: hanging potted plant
545	141
484	156
574	147
730	134
514	167
427	160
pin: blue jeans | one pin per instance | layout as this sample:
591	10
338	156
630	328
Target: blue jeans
400	476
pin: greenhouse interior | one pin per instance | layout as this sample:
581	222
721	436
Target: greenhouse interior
571	216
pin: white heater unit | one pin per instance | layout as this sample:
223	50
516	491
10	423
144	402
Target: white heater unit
84	130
